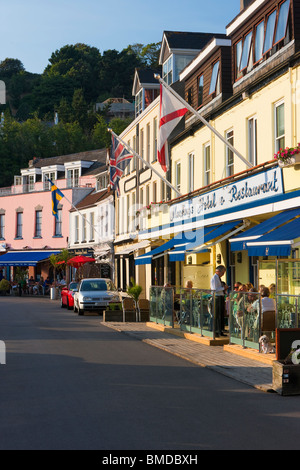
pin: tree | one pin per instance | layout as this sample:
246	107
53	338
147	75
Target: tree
9	67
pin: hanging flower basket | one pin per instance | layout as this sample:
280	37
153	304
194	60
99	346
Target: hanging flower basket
288	157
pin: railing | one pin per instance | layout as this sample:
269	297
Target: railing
193	310
40	186
190	309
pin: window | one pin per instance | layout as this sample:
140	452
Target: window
31	180
200	90
142	148
19	229
162	190
191	161
252	140
77	229
207	166
178	176
154	188
92	226
259	41
148	142
102	182
282	21
168	71
2	227
139	103
48	176
229	154
214	78
127	170
155	139
190	96
134	157
147	195
279	127
268	44
239	48
246	52
84	228
58	224
73	178
38	224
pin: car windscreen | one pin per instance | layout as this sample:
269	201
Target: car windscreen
93	286
73	286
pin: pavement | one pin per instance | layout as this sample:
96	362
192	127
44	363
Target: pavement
244	365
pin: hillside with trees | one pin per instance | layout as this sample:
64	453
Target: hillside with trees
77	77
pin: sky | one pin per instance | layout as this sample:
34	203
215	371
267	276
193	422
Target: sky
32	30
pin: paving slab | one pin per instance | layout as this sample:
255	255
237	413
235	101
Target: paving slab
247	370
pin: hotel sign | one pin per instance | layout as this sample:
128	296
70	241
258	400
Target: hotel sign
255	189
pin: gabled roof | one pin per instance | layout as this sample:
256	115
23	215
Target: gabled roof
92	199
144	78
91	156
185	41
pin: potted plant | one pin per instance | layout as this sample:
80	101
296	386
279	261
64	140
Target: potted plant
134	290
288	156
4	287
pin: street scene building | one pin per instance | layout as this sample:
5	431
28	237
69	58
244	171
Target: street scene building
229	197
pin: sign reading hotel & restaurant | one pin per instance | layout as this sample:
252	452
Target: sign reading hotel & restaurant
255	189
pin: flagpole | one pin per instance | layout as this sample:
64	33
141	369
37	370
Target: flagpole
145	162
206	123
74	207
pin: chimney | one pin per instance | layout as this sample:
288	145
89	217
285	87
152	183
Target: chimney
244	4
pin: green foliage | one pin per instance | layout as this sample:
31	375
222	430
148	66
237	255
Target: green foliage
76	78
4	285
134	290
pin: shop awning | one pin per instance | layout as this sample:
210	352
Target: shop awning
240	242
277	243
180	239
203	236
25	258
133	248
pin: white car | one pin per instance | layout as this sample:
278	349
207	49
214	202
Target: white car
94	294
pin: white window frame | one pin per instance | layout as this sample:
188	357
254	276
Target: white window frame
229	153
191	172
178	176
207	171
277	138
252	140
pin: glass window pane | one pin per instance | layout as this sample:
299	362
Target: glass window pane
200	91
259	41
280	120
214	78
270	32
282	21
246	51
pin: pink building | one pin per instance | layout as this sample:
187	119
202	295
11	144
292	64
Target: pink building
29	232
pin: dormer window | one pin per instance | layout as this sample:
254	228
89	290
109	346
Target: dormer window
268	44
73	178
139	103
282	22
168	71
246	52
214	78
259	41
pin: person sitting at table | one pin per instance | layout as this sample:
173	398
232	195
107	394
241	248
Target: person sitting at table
31	283
47	285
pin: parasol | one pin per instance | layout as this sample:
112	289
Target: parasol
79	261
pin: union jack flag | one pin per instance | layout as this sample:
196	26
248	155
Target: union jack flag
120	158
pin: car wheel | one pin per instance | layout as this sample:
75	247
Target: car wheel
80	312
68	305
74	307
61	303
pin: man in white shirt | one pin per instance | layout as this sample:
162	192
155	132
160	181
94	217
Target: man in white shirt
218	288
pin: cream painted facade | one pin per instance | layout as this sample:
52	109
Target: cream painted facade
260	106
141	195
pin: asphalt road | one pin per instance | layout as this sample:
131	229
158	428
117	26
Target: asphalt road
71	383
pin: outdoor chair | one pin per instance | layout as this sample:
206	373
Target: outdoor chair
268	322
144	307
129	309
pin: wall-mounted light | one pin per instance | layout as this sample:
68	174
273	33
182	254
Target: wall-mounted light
219	259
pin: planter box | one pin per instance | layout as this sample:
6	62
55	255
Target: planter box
295	160
117	316
286	378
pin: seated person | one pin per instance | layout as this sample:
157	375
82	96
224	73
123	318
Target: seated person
47	285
